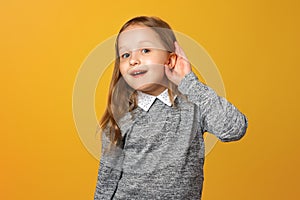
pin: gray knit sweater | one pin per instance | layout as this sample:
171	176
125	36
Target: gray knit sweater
162	155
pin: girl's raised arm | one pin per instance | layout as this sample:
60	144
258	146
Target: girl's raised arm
217	115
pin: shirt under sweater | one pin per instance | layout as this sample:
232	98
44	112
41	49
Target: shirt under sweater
163	152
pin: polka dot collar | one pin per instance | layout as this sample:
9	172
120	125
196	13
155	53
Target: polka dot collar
145	101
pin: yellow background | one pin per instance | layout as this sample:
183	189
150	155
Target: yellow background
255	45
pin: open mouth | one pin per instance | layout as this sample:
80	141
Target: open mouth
137	73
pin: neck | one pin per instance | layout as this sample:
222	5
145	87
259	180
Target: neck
158	90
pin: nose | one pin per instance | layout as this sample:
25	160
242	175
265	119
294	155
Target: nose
134	58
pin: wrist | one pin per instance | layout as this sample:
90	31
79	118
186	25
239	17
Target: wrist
185	82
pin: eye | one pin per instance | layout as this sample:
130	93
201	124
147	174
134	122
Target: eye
145	50
125	55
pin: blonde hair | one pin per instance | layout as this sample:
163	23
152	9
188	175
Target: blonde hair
122	98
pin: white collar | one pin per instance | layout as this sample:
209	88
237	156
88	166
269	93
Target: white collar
145	101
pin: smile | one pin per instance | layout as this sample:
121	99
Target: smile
138	73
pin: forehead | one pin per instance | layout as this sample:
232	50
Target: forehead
135	37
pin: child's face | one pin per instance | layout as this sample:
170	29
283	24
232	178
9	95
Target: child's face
142	59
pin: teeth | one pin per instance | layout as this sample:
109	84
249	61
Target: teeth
139	72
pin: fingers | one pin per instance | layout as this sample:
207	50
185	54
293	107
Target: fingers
179	51
177	48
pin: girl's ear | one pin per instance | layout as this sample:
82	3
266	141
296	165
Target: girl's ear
171	62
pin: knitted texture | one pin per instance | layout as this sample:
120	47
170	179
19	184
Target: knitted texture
162	155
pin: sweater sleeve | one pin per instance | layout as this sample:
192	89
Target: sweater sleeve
109	171
217	115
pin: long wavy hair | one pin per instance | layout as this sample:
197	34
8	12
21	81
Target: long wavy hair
121	97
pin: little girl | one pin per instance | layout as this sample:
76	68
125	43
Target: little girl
157	112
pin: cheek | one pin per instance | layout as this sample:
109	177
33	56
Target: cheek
122	69
155	59
158	71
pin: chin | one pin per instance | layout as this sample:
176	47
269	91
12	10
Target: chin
143	87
